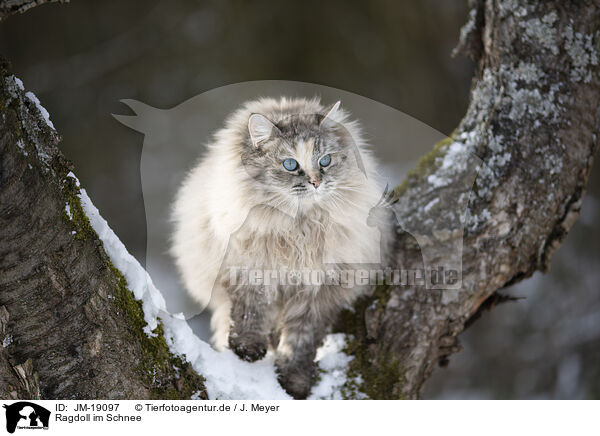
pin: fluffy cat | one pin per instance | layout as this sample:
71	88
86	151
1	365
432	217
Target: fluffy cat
286	185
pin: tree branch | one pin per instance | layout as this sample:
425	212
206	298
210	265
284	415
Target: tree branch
534	120
70	327
10	7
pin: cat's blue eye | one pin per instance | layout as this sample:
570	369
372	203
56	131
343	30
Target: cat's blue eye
290	164
325	160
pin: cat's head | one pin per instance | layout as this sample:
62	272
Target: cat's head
303	159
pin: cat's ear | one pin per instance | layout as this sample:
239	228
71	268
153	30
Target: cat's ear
331	113
260	129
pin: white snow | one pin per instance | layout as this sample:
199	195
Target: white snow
68	211
227	377
196	396
334	362
19	83
31	96
70	174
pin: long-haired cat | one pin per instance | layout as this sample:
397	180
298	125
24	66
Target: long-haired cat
286	186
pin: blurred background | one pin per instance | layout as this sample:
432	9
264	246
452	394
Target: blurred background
81	58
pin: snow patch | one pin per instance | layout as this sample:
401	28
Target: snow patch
333	363
31	96
70	174
227	377
19	83
196	396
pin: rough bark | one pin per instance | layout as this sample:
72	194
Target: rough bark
9	7
70	327
533	119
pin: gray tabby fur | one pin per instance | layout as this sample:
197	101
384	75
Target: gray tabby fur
240	208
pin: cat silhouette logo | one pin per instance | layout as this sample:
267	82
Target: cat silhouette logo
26	415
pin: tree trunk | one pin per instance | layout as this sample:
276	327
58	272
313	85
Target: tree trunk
534	120
72	329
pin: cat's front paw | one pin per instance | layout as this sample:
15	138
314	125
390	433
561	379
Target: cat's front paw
249	347
297	380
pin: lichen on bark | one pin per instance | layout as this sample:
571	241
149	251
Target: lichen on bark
69	280
534	122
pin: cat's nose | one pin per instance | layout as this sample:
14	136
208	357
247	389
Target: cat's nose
315	182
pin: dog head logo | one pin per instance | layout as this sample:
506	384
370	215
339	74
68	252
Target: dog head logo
24	414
